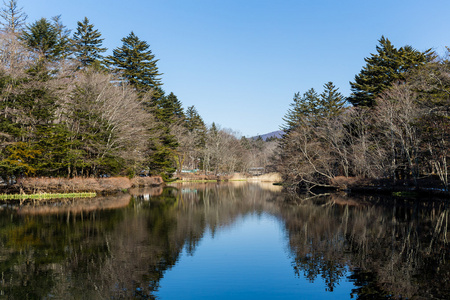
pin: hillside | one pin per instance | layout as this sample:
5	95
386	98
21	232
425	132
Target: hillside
277	134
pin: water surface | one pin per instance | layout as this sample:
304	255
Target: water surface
226	241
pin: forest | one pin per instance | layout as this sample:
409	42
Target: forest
394	129
67	109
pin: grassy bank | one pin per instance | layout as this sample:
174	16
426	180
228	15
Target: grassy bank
78	185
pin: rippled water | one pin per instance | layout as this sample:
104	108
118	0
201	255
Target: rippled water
226	241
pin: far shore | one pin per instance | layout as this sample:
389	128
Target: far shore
33	185
268	177
112	185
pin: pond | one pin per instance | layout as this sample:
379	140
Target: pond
226	241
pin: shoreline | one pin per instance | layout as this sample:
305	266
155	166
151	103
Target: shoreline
430	187
112	185
101	186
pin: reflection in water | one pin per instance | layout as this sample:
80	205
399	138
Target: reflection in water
392	251
395	249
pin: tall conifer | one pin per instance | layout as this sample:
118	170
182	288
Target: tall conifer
303	107
87	44
169	109
387	66
194	121
136	64
331	100
49	40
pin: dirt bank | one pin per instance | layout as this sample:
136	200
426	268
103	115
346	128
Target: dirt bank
79	184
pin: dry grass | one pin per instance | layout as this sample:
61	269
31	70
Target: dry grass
81	184
198	177
269	177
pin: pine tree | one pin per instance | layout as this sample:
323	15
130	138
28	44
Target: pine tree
87	44
311	107
136	64
213	129
27	120
303	107
384	68
331	100
193	121
169	109
49	40
63	48
13	17
195	125
168	112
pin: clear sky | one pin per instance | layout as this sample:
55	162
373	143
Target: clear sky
241	61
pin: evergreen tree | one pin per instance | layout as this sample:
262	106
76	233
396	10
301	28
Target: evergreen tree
63	47
331	100
169	109
161	160
303	107
213	130
311	107
27	119
195	125
387	66
193	121
87	44
168	112
43	37
245	143
13	17
136	64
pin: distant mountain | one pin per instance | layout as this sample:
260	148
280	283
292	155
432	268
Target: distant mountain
277	134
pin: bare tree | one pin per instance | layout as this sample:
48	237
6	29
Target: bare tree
432	83
14	57
108	119
13	17
398	113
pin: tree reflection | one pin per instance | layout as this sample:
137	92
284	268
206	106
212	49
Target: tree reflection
389	245
37	249
391	248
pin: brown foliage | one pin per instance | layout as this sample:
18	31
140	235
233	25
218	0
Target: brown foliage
80	184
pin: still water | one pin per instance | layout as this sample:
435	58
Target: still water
226	241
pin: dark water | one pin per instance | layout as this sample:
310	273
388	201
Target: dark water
226	241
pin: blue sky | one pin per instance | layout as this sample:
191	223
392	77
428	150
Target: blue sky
241	61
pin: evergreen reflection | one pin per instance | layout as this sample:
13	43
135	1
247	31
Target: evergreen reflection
391	248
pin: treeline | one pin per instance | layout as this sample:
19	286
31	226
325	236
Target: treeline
396	130
66	109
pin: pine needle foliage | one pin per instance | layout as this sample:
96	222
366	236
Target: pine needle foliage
87	44
387	66
136	64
